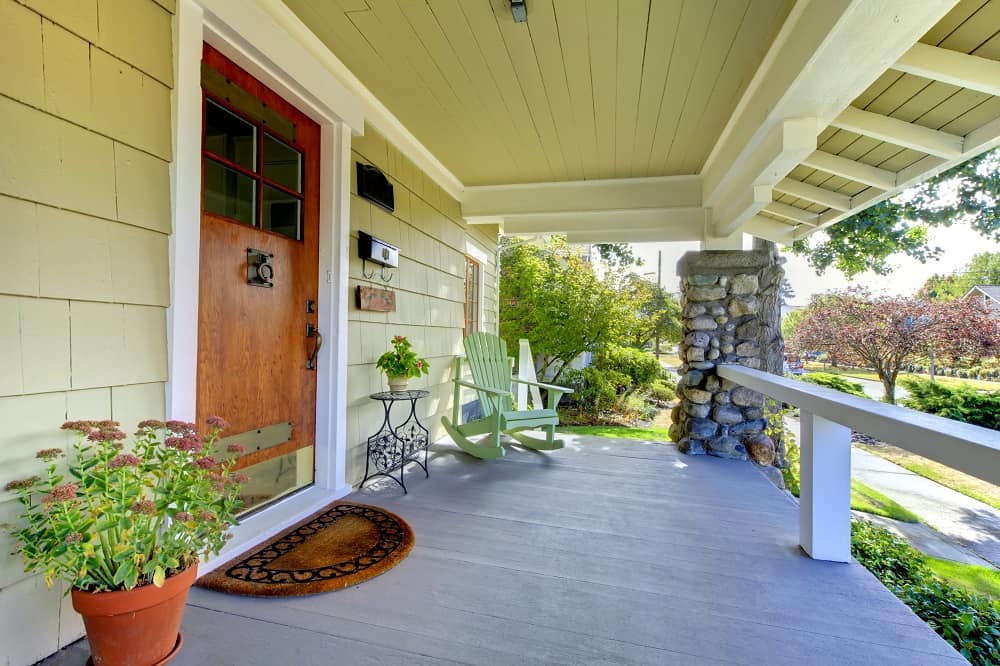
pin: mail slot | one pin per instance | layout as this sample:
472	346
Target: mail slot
377	251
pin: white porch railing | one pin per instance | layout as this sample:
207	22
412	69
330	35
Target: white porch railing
827	417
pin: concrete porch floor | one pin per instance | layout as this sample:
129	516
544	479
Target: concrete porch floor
606	552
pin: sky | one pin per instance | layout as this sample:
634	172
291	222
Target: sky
959	244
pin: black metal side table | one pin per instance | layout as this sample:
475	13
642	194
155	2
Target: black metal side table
392	446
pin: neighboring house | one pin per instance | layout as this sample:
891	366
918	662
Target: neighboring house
988	295
158	153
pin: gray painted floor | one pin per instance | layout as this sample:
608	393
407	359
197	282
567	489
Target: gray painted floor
606	552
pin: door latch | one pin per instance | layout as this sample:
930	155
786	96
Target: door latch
260	269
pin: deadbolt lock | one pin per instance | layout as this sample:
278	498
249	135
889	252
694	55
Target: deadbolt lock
260	269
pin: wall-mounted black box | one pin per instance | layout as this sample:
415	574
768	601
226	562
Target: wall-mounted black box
377	251
374	186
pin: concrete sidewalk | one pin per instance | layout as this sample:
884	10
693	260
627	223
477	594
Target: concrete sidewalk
965	521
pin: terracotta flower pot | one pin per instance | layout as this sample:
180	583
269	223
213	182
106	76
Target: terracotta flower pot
139	627
397	383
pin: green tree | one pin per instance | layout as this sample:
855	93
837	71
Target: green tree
655	313
553	297
984	269
968	192
790	322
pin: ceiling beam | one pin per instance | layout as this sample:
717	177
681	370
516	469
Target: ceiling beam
851	170
736	212
899	132
629	225
792	213
818	195
976	142
958	69
772	230
581	196
819	62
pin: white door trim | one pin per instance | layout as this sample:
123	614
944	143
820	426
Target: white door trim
244	33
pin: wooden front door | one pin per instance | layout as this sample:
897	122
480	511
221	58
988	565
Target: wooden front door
258	276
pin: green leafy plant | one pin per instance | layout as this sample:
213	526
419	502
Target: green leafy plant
128	517
835	382
961	403
969	622
402	361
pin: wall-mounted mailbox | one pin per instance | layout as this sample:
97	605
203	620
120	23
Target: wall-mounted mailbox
374	186
377	251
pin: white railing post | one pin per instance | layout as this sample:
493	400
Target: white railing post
825	489
526	370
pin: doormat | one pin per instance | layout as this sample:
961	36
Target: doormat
342	545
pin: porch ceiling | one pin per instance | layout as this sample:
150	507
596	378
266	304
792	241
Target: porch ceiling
582	90
645	120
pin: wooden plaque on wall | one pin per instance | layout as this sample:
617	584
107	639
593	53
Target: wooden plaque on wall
378	300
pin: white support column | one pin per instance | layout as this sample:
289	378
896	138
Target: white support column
825	492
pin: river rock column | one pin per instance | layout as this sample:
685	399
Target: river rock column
731	314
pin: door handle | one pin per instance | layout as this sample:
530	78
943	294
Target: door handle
312	331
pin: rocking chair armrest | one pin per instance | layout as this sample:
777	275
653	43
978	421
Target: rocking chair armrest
548	387
484	389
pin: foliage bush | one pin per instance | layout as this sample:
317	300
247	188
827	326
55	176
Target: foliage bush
835	382
595	390
961	403
639	366
969	622
662	391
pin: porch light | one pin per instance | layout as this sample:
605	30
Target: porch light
520	11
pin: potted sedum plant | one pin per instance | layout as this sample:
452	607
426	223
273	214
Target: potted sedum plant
126	527
400	364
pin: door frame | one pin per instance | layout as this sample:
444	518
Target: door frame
249	36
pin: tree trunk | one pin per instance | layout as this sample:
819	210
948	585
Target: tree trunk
889	386
931	368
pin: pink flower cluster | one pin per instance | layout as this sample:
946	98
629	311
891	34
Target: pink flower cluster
183	517
236	448
190	442
125	460
64	492
145	507
217	422
49	454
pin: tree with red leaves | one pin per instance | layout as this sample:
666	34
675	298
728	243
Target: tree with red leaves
888	332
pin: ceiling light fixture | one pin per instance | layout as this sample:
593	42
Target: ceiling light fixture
520	11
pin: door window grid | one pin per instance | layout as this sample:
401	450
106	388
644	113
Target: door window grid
268	196
472	295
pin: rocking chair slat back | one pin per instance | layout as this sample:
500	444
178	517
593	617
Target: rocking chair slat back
487	356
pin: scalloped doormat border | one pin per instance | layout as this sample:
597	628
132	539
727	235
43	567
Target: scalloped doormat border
339	546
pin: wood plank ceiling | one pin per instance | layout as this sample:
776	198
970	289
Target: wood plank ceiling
972	27
585	89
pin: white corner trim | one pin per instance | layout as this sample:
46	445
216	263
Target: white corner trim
473	250
376	113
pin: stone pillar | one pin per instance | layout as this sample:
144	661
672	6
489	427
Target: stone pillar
731	314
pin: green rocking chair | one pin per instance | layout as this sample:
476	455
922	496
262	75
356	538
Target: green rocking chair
491	373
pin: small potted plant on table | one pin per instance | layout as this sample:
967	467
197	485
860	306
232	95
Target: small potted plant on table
126	528
400	364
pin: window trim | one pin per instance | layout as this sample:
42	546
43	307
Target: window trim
478	304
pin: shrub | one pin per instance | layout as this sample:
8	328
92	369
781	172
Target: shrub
639	366
596	390
835	382
969	622
961	403
662	391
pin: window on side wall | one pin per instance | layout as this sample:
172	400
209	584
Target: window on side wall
473	277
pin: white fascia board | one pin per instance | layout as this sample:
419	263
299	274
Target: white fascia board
958	69
683	221
820	61
664	235
371	109
851	170
818	195
581	196
899	132
240	26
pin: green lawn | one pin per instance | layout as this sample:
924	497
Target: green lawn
863	498
981	580
861	373
622	432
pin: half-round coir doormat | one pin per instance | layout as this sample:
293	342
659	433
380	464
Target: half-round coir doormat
342	545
